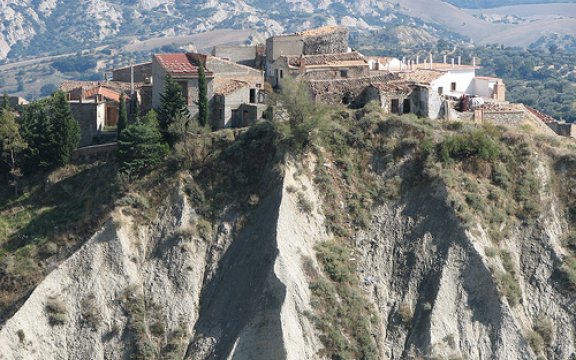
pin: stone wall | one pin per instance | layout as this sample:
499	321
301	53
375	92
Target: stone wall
332	42
329	73
141	73
504	117
563	129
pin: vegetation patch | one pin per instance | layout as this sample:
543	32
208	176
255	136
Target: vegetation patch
343	315
56	312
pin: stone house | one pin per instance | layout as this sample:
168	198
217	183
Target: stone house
231	86
95	105
324	40
348	65
100	94
183	68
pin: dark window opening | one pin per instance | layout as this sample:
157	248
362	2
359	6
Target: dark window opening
440	90
406	106
252	96
453	86
281	74
395	106
343	73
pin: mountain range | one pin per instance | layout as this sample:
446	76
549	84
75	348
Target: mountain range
30	28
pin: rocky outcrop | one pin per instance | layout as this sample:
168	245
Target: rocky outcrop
173	288
239	288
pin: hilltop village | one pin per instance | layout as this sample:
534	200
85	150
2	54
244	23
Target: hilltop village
240	79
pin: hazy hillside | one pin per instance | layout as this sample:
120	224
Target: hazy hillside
486	4
32	28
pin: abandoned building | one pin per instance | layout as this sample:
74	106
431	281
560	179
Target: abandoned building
235	91
95	105
324	40
348	65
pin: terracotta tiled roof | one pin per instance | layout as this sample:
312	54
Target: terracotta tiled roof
547	119
228	86
422	76
182	64
104	92
393	86
177	63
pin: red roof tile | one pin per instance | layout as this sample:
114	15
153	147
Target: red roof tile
177	63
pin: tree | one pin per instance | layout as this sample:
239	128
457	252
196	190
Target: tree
140	146
12	144
5	101
173	107
202	95
65	127
123	118
51	132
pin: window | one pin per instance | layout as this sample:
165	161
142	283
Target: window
281	74
343	73
453	86
440	90
252	96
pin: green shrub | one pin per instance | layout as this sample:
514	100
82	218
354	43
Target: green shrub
335	260
56	311
475	202
501	176
476	143
304	205
545	328
535	341
509	287
508	262
406	314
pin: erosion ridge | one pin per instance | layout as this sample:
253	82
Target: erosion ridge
448	240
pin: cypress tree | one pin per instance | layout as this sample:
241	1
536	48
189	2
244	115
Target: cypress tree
5	101
65	127
202	95
173	107
123	115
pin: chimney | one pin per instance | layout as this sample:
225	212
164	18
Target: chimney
444	59
452	62
417	60
425	64
431	62
403	59
474	61
459	60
